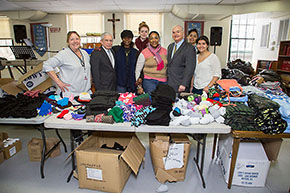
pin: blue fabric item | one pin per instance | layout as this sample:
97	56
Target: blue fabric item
140	115
284	102
77	116
63	102
237	99
45	109
288	125
150	85
55	97
126	72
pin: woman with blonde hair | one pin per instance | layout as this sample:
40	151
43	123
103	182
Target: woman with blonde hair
74	68
142	41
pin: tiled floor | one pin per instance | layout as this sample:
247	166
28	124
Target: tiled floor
19	175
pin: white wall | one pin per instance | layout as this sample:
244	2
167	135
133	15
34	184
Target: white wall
270	53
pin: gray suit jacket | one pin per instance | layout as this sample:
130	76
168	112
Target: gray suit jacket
181	66
103	73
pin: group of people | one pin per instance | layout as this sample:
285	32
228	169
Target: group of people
186	65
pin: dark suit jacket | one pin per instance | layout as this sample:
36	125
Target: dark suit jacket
181	66
103	73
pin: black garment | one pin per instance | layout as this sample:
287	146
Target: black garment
103	73
240	117
101	101
20	106
125	66
162	99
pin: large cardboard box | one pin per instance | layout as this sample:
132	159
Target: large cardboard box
252	164
35	79
1	156
35	146
104	169
169	155
11	147
272	147
3	136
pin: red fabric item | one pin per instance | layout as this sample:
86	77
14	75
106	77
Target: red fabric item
60	116
141	45
98	118
214	102
226	84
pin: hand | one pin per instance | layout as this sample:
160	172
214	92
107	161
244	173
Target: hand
63	86
140	90
139	81
181	88
205	89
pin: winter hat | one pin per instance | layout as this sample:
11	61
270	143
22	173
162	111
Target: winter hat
127	33
84	96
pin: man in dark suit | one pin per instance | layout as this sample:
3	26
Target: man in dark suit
103	65
181	57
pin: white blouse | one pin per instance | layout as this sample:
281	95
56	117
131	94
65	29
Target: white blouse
206	70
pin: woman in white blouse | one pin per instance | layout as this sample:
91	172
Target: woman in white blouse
208	67
74	68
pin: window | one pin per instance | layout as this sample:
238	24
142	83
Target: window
265	36
5	32
242	37
283	31
88	26
153	20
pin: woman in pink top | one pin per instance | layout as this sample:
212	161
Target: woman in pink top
153	62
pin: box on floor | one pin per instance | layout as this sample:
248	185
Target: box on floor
272	147
169	155
108	169
1	156
252	163
35	146
11	147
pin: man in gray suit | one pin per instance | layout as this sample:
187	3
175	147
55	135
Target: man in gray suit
103	65
181	57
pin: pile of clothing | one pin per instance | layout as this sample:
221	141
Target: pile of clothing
162	99
20	106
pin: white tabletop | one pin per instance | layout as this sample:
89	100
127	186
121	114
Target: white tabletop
31	121
53	122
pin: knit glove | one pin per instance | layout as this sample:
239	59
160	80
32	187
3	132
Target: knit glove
63	102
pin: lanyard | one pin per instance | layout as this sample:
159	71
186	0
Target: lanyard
82	60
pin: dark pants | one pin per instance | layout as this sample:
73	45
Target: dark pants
197	91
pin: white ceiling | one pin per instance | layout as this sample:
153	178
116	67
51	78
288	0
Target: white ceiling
74	6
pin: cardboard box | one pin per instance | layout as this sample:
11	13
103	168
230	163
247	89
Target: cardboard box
108	170
11	147
160	147
252	164
35	146
3	136
1	157
35	79
272	147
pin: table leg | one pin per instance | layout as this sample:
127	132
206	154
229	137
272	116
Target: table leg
60	138
196	159
235	150
41	129
214	146
72	146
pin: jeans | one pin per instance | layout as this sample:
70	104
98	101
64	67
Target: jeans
197	91
150	85
121	89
